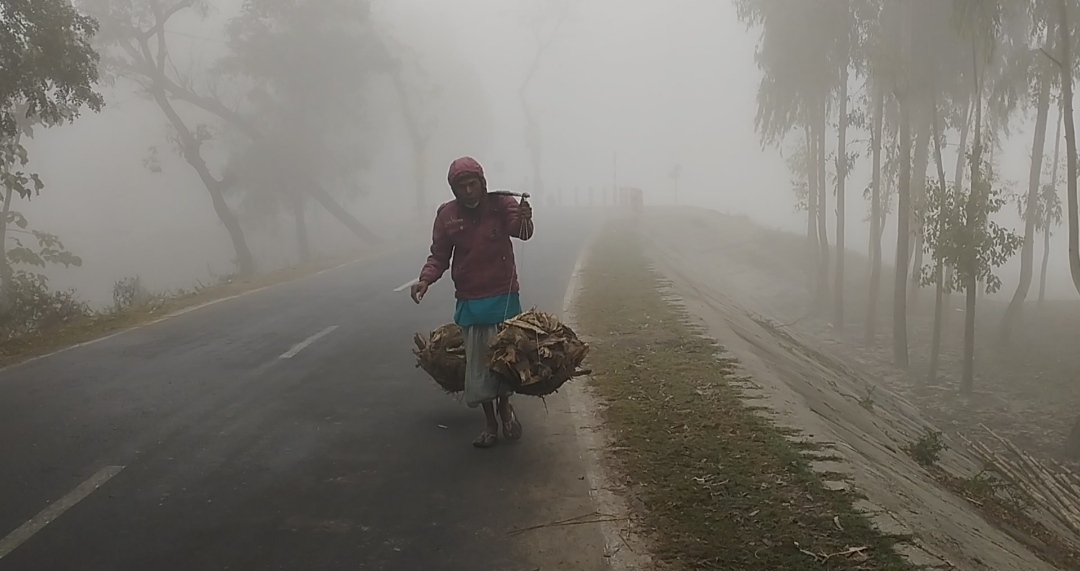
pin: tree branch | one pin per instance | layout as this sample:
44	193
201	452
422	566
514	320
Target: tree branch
541	48
1051	58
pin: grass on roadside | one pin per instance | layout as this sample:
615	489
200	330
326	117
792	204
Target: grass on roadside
720	487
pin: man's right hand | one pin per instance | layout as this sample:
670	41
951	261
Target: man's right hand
418	291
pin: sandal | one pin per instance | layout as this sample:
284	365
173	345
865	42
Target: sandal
486	440
512	429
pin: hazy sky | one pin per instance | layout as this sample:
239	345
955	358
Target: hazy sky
657	83
652	82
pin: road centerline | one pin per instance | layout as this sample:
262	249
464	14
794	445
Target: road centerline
54	510
296	349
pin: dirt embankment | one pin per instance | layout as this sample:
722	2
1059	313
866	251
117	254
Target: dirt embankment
737	279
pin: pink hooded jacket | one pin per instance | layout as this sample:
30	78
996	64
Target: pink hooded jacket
474	243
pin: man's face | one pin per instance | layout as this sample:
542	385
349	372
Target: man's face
469	191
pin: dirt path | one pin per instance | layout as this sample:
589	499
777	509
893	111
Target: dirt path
726	280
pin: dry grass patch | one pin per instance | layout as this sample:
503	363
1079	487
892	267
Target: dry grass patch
719	486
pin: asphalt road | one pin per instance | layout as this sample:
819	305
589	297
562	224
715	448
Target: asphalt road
211	451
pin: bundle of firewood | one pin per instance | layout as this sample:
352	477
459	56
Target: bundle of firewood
537	354
1056	489
534	352
442	355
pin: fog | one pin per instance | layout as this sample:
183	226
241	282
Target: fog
625	91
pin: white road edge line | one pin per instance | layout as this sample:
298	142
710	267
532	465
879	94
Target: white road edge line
306	342
56	509
591	440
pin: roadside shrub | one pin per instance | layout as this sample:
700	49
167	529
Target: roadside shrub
129	293
32	307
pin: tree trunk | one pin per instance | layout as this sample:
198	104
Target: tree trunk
245	262
903	210
961	153
303	244
249	128
1045	263
823	215
6	272
419	142
841	177
1027	253
974	202
921	159
1070	143
812	215
939	266
420	176
958	182
1047	223
875	218
903	236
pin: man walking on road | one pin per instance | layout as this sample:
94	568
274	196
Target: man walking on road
471	236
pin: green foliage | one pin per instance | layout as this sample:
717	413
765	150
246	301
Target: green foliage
130	293
49	67
306	65
927	449
949	237
29	304
1048	210
799	56
48	75
48	250
13	158
34	307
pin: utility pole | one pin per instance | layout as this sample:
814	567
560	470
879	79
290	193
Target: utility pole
614	176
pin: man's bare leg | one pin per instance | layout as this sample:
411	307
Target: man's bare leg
511	425
490	436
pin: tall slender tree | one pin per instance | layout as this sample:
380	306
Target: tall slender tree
1031	206
796	53
903	225
875	214
1050	211
1065	65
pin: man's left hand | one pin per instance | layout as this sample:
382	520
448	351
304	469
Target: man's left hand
525	210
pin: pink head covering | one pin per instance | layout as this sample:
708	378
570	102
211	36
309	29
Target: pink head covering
464	167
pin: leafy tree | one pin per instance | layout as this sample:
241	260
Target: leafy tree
134	40
949	241
980	23
797	54
941	223
1038	75
50	68
48	75
312	116
134	35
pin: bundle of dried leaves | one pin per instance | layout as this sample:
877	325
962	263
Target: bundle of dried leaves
536	353
442	355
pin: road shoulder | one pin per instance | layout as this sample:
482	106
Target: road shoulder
722	271
702	479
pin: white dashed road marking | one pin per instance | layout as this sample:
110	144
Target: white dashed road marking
56	509
306	342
